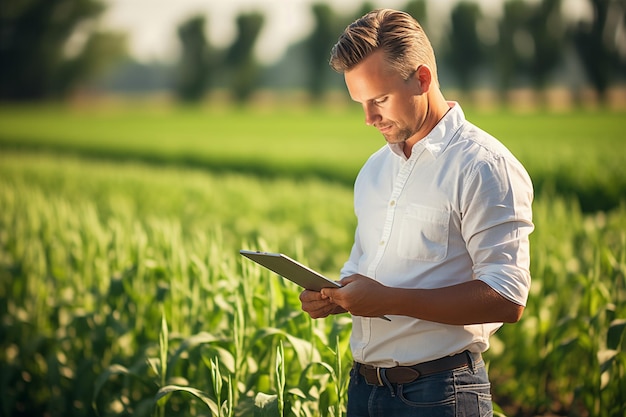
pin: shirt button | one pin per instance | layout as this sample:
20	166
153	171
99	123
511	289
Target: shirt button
382	242
392	203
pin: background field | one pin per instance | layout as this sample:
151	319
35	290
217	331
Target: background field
575	153
112	219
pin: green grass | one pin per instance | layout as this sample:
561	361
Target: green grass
122	291
297	142
579	154
574	154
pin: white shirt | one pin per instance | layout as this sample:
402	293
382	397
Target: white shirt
457	210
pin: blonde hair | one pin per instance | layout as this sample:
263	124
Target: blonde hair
397	33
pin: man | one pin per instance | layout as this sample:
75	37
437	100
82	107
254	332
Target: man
441	246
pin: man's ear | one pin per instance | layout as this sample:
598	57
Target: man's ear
424	77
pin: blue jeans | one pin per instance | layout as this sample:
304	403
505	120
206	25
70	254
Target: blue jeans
462	392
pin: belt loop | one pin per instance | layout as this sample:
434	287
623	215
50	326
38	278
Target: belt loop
470	361
383	380
380	381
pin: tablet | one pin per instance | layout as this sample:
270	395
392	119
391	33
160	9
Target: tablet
293	270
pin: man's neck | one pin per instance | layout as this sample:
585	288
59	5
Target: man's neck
438	107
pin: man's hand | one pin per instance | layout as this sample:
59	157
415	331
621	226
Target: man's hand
360	295
472	302
317	305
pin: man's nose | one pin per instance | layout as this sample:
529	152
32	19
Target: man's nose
372	116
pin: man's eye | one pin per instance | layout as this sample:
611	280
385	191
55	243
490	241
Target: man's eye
380	100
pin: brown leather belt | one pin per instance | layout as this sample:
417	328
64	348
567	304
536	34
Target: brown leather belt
406	374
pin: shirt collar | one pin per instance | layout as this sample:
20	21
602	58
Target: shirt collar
438	139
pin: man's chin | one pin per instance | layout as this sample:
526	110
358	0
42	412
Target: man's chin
393	139
398	138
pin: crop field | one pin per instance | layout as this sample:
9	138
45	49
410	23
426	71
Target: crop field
122	291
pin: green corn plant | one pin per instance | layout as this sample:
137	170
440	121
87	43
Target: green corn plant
157	378
128	303
341	381
226	407
280	378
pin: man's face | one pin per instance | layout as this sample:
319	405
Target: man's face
395	106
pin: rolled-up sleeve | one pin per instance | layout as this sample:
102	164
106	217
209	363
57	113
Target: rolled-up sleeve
497	206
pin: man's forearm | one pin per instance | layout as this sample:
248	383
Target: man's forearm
472	302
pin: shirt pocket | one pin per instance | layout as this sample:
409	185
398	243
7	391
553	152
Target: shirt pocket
424	233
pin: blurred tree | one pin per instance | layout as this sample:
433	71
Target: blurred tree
620	55
197	61
132	76
548	32
465	53
362	10
597	42
318	46
244	68
328	26
515	47
48	47
417	9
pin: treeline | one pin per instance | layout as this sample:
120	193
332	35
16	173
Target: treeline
49	48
